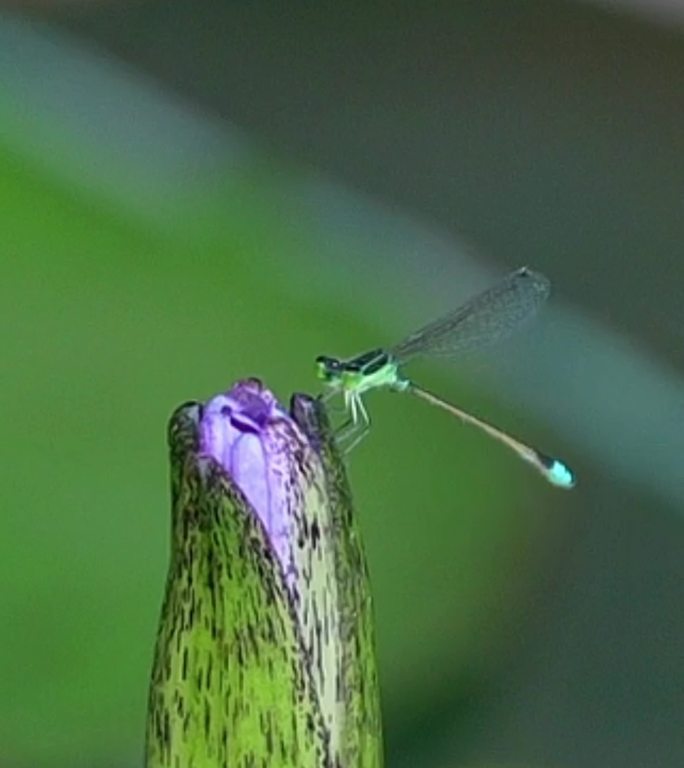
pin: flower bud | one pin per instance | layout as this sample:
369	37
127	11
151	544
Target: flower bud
265	652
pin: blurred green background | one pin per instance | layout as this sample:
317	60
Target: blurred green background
194	192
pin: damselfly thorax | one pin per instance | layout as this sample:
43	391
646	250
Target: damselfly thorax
354	377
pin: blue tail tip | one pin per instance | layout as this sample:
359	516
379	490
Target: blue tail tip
560	474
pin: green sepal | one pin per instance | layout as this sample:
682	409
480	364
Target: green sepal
360	737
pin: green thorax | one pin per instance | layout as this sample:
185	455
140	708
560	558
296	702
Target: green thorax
370	370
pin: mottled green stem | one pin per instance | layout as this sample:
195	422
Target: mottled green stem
252	668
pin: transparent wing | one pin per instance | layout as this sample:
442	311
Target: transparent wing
486	318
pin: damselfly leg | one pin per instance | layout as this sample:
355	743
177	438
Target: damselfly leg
357	426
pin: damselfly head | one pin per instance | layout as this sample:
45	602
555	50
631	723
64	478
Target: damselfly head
328	369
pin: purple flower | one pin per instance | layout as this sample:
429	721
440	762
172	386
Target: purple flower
265	649
267	456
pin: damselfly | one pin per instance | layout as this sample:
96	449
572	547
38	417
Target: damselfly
488	317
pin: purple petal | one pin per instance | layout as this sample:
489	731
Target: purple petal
266	455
